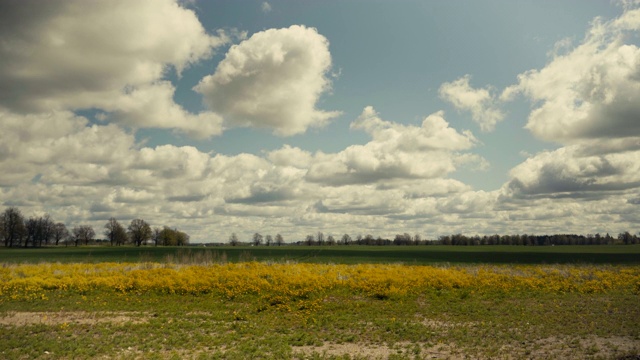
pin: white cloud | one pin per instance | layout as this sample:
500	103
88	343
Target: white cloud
395	152
591	91
266	7
587	100
152	106
470	202
480	102
290	156
568	172
110	55
60	142
434	134
272	80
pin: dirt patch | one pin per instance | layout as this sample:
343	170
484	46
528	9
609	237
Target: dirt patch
364	351
440	325
351	349
70	317
575	348
592	347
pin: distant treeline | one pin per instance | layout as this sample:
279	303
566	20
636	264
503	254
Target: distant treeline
625	238
37	231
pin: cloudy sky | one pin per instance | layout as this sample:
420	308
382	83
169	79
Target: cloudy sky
293	117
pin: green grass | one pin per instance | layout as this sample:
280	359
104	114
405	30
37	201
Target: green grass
522	325
614	254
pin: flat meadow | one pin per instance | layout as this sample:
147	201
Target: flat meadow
348	302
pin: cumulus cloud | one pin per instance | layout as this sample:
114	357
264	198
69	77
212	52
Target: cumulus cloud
587	100
434	134
152	106
266	7
469	202
565	172
395	152
110	55
272	80
591	91
290	156
61	142
480	102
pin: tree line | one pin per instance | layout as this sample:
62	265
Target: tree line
405	239
16	231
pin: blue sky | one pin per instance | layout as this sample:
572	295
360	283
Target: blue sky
292	117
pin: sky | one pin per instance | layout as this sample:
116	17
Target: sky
294	117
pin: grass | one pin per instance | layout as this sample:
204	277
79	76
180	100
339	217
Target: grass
595	319
440	324
605	254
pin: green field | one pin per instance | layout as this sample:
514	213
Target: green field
588	254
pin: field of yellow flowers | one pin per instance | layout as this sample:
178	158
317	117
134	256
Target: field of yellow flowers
301	310
293	281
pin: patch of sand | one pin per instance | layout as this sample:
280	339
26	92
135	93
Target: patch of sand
70	317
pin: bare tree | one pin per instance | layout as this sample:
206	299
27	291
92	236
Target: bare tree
257	239
156	235
346	239
269	240
417	239
331	240
320	238
115	232
309	240
31	226
38	230
139	231
12	227
60	232
279	240
83	233
233	239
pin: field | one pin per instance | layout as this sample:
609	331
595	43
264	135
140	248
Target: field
420	255
321	303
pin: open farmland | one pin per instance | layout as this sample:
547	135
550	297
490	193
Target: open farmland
203	304
424	255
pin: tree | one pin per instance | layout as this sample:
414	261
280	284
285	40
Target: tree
279	240
60	232
83	233
139	231
269	240
331	240
156	235
39	230
320	238
115	232
402	239
309	240
233	239
12	227
167	237
32	228
181	238
346	239
257	239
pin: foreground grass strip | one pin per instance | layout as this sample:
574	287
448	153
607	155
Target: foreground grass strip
309	311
